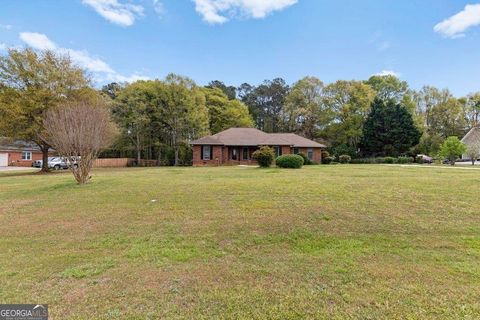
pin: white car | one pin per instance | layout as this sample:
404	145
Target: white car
55	163
426	159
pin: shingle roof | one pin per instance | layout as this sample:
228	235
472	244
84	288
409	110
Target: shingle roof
472	137
7	144
255	137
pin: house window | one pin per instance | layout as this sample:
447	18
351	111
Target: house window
245	155
206	152
278	151
296	151
310	154
26	155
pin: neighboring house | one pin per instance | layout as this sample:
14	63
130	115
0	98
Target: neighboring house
18	153
236	146
472	139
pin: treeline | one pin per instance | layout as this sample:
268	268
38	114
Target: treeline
381	116
156	119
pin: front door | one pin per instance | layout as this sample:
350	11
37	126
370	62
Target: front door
235	154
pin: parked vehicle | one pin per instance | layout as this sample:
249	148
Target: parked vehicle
426	159
56	163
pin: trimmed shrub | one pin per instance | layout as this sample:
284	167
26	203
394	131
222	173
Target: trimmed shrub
264	156
293	161
363	161
389	160
328	160
345	158
420	160
405	160
306	161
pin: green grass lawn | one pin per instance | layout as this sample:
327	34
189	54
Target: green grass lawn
326	242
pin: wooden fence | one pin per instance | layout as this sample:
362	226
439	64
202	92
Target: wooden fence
113	163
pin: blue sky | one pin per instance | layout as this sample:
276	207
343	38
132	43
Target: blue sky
426	42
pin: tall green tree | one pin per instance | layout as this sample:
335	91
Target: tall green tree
182	112
229	91
349	102
388	87
132	110
389	129
472	110
266	103
447	119
304	111
31	83
225	113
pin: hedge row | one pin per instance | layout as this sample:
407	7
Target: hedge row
388	160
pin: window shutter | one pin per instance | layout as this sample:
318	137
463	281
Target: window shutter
201	152
211	152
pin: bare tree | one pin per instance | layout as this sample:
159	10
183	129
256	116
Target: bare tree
473	152
79	130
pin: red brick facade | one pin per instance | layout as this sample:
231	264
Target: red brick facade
223	155
15	158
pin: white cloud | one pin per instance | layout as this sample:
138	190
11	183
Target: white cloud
219	11
37	41
123	14
455	26
101	70
158	7
6	26
384	73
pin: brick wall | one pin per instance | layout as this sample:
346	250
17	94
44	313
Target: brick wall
317	153
15	158
216	158
221	156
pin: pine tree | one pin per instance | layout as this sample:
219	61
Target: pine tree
389	130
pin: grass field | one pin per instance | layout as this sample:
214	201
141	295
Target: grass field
323	242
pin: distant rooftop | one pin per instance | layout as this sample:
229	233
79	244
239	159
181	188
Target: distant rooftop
8	144
255	137
472	137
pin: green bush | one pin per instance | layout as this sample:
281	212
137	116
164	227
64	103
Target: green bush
420	160
341	149
328	160
363	161
306	161
264	156
293	161
379	160
405	160
345	158
389	160
325	154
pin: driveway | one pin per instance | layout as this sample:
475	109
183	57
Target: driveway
3	169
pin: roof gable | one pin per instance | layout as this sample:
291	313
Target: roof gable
472	137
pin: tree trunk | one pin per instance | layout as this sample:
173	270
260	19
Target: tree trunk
176	156
139	154
44	150
473	162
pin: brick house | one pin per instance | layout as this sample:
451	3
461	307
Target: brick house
18	153
235	146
